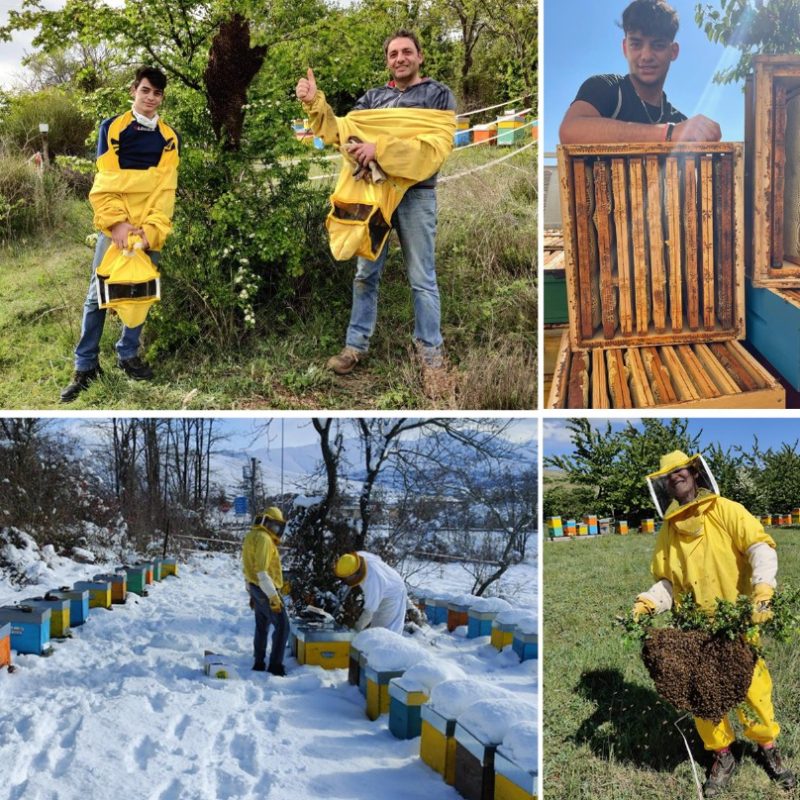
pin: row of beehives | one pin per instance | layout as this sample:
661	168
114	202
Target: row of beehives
591	525
477	765
29	626
781	519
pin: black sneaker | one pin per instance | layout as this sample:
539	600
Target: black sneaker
720	774
80	381
135	368
259	666
770	758
278	671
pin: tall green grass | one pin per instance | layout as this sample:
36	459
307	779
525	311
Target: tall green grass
607	734
486	266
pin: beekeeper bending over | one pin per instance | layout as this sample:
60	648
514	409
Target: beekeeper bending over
716	549
385	597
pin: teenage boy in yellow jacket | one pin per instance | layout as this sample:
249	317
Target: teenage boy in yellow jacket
133	196
715	549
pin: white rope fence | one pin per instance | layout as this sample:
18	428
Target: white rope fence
491	108
488	164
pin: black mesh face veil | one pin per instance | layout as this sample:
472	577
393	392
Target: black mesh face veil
659	488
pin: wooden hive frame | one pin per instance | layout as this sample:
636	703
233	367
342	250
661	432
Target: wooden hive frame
772	94
700	375
653	243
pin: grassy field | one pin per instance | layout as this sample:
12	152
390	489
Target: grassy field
607	734
488	319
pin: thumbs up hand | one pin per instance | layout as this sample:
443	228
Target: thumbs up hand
306	87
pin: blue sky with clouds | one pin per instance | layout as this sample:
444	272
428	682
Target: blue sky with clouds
726	432
581	38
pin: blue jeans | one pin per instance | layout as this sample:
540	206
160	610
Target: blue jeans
87	353
415	222
265	617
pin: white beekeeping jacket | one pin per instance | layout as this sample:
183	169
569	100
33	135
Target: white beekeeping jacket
384	594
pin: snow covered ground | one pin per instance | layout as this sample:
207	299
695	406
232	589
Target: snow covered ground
124	709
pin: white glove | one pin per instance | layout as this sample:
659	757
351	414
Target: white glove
363	621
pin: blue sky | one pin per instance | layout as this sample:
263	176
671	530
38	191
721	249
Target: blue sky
726	432
581	38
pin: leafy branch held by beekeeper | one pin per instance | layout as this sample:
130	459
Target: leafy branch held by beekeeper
385	596
404	131
133	197
263	575
714	548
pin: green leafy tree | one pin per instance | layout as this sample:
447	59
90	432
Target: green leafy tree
754	27
775	474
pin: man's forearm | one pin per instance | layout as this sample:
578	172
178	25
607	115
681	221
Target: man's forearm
600	130
322	119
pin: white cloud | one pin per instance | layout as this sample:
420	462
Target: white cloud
555	432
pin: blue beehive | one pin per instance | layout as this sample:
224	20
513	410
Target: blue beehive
436	610
78	603
405	714
479	623
525	645
30	628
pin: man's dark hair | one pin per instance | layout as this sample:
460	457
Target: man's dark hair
401	34
155	76
650	18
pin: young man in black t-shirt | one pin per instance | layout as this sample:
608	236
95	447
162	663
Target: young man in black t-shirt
634	107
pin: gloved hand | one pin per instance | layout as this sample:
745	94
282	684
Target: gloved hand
286	589
762	597
275	603
642	607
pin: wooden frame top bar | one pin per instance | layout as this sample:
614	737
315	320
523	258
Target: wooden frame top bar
650	148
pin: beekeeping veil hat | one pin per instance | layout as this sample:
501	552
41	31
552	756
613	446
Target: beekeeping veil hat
657	481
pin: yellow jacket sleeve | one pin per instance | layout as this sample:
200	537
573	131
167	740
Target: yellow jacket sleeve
322	119
403	158
274	564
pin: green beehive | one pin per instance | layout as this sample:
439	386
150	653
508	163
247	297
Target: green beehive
157	564
136	579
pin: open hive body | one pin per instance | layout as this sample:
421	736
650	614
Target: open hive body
772	197
654	246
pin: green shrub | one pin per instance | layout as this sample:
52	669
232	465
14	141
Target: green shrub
28	201
69	126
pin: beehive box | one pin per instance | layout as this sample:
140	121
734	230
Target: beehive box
772	171
654	258
701	375
512	782
554	527
326	646
405	710
353	667
525	645
362	674
377	690
99	592
59	614
773	328
30	628
119	585
436	610
474	765
502	634
157	564
137	578
148	571
590	520
437	747
479	623
78	604
169	566
457	615
622	527
5	644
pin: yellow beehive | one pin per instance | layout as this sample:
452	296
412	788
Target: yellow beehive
378	690
437	746
322	646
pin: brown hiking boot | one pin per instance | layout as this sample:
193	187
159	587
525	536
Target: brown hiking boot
80	382
772	762
720	774
345	362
